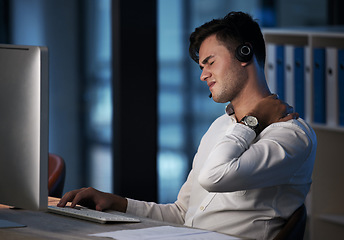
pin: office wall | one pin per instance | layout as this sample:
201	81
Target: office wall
293	13
55	24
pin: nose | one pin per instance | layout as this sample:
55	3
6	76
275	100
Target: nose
205	74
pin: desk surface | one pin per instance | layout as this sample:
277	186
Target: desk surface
44	225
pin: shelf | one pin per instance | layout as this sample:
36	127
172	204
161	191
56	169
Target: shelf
329	31
327	127
283	45
333	218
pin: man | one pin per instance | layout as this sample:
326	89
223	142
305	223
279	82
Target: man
253	167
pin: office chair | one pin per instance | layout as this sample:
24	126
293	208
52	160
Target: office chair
294	228
56	173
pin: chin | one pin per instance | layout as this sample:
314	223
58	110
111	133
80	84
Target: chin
220	99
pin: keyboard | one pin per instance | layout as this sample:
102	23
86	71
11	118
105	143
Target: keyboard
92	215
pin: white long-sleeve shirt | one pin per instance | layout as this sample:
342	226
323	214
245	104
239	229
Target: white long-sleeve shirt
241	184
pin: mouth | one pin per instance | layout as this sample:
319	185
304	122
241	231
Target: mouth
211	85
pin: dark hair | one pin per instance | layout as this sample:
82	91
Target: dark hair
234	29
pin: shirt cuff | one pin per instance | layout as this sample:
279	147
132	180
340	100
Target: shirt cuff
242	131
132	206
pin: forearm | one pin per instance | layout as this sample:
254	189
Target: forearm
223	161
235	164
162	212
174	213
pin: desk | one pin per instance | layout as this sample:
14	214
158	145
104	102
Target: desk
43	225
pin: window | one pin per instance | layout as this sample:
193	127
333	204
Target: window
97	94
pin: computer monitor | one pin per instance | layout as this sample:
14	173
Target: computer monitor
24	126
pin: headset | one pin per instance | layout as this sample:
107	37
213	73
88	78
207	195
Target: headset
244	52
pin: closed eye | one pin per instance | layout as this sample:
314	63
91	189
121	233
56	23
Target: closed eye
206	61
211	63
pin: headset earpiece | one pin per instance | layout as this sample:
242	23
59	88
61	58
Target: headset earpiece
244	52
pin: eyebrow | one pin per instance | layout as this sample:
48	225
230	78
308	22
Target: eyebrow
206	60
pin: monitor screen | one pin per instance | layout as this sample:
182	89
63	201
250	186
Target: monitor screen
24	126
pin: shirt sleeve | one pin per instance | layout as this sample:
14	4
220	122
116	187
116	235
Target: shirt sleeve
161	212
173	213
240	161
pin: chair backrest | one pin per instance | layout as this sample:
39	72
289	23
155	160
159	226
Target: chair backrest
56	173
294	228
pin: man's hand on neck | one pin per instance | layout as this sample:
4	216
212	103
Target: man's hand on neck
270	110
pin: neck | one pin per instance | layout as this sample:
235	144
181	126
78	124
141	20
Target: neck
255	90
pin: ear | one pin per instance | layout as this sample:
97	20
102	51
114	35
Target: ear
251	61
244	64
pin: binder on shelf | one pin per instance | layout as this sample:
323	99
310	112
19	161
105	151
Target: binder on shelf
308	84
319	86
340	92
289	74
280	72
271	66
286	74
295	78
331	86
299	81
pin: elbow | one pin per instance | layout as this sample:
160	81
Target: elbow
220	181
221	177
211	183
206	182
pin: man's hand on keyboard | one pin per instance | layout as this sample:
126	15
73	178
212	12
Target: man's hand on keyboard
92	198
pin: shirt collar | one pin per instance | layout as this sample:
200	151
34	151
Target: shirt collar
230	109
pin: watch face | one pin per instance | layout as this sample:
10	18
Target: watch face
251	121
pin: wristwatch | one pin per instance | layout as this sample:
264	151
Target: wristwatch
251	122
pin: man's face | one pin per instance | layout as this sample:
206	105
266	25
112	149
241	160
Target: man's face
223	73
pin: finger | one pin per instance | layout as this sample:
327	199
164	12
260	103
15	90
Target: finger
85	194
274	96
103	201
99	207
290	116
68	197
295	115
78	197
286	118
